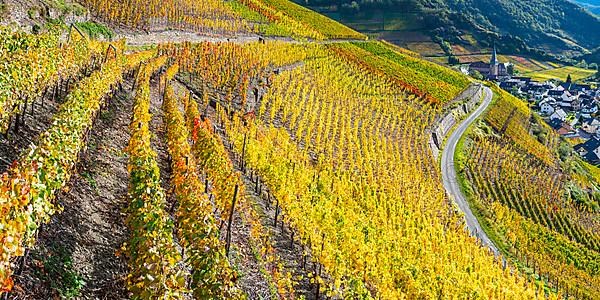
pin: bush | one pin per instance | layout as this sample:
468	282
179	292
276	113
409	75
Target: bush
564	150
95	30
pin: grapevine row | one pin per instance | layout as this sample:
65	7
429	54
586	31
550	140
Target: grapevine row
211	155
33	71
28	188
152	254
212	276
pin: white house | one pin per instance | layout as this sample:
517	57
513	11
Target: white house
546	107
588	108
590	126
559	114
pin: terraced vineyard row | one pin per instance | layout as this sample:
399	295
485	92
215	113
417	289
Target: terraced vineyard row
510	117
528	216
206	16
29	187
508	177
285	18
37	65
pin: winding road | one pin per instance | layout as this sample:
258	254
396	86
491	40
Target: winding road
449	176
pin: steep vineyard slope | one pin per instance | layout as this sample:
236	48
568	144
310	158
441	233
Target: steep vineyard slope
286	168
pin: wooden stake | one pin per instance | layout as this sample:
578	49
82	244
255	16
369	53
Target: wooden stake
276	212
230	221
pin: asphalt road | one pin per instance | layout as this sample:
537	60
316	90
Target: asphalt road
449	176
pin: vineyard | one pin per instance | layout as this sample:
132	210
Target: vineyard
273	168
524	198
216	17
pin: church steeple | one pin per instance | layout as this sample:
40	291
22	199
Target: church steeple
494	65
494	60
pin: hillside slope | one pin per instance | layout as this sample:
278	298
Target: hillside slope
553	26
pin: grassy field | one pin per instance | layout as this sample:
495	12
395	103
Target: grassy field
424	48
561	74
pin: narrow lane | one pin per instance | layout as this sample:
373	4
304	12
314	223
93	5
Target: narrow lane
449	176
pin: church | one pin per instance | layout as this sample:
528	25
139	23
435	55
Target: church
492	70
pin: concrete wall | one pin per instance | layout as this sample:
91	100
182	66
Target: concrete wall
473	93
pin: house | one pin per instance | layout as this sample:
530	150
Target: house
558	92
509	84
590	126
481	67
555	124
573	87
590	150
589	106
547	106
559	114
526	80
567	101
566	129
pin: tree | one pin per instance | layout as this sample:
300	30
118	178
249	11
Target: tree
569	80
453	60
475	74
510	69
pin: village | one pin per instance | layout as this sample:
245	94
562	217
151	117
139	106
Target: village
569	108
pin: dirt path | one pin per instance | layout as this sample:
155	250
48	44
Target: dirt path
281	238
80	244
253	280
174	36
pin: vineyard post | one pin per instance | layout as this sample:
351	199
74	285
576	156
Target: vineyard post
235	192
257	183
33	103
67	86
54	93
276	212
320	254
243	154
268	200
16	121
23	113
8	127
318	288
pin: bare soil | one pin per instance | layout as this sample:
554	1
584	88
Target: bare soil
91	229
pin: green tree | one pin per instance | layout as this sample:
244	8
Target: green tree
475	74
510	69
453	60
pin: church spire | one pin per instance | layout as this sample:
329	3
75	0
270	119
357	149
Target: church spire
494	60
